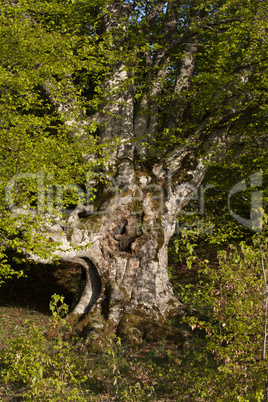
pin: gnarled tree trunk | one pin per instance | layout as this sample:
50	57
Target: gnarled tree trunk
165	84
126	286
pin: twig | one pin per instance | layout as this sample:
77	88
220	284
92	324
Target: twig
265	328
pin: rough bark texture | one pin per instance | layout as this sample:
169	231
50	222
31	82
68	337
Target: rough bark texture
126	287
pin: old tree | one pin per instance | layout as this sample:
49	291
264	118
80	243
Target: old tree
111	112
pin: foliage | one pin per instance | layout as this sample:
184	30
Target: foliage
122	390
228	79
227	304
44	140
55	370
44	368
222	363
54	59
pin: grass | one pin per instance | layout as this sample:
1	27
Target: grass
15	321
148	367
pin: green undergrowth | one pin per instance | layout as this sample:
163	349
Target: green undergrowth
224	303
224	296
35	368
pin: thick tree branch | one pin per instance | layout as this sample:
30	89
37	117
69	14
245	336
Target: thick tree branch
154	12
68	106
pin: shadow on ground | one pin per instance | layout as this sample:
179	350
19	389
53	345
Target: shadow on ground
34	291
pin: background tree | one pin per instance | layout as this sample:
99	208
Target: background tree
177	84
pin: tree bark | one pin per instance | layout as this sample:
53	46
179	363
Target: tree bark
126	285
